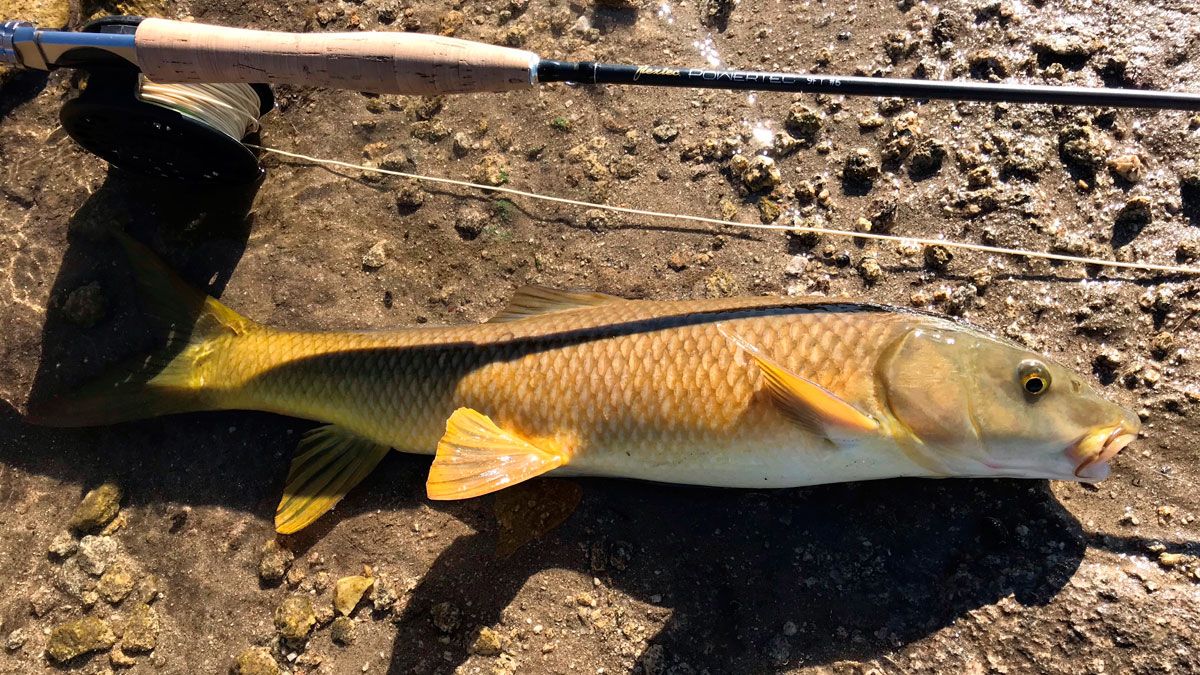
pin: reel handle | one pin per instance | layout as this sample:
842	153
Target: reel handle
384	63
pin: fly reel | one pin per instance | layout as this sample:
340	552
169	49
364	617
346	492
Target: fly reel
177	132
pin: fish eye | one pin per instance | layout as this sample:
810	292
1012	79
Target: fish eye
1034	377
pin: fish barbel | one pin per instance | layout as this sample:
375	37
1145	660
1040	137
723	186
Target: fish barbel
742	392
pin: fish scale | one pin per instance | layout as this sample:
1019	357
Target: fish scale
652	380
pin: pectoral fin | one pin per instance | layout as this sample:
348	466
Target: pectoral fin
808	404
328	463
476	457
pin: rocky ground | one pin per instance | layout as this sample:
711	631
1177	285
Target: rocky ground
148	547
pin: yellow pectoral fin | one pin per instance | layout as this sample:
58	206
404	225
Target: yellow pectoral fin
328	463
476	457
808	404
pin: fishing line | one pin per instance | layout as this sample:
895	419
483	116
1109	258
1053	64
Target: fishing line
231	109
999	250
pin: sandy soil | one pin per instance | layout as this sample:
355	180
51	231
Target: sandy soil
891	577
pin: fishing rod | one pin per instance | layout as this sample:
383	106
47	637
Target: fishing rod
165	97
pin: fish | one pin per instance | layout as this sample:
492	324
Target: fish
753	392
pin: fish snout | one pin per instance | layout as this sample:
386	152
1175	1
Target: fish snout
1092	452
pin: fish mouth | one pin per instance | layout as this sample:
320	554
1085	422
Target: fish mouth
1092	452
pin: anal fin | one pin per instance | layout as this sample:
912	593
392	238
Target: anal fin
476	457
806	403
328	463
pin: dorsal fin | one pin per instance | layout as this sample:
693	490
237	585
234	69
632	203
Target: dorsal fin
534	300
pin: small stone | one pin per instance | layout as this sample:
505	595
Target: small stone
720	284
348	592
116	582
715	13
761	173
1136	212
1169	560
409	195
769	210
85	306
785	143
376	256
470	222
804	122
97	509
665	133
450	22
15	640
1187	251
987	65
860	168
63	546
1081	147
927	158
938	257
677	261
869	270
295	618
870	121
96	553
491	170
75	638
445	617
1128	167
487	643
273	559
141	630
256	661
341	631
1069	50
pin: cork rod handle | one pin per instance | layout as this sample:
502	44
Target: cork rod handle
385	63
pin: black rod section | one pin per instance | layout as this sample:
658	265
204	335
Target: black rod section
586	72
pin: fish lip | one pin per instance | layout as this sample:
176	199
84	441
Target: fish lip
1093	458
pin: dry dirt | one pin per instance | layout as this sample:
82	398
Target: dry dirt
902	576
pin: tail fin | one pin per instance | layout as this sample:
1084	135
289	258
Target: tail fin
167	381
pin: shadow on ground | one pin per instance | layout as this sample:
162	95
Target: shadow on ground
856	570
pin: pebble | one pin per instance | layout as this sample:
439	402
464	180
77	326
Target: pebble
348	592
1128	167
256	661
15	640
1080	146
96	553
860	168
986	64
97	509
141	630
409	195
85	306
116	583
63	546
487	643
804	122
665	133
761	173
927	158
445	617
869	270
938	257
341	631
274	560
294	618
78	637
376	256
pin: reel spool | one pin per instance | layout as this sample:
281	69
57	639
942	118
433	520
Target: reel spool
125	120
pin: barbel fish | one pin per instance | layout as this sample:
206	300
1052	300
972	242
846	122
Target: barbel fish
746	393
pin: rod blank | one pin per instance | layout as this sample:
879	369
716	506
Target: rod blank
661	76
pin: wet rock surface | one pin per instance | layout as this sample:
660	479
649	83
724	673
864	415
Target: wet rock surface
894	576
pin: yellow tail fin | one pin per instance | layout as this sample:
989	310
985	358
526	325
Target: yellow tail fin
166	381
